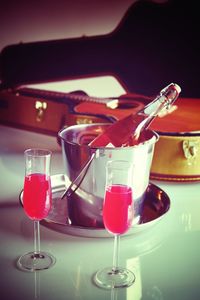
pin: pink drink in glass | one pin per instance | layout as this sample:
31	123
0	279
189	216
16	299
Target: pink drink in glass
37	196
118	208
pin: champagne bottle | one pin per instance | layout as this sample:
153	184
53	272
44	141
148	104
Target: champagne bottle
131	126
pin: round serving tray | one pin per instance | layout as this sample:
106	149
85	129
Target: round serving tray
156	205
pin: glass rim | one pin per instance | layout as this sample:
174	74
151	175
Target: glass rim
40	152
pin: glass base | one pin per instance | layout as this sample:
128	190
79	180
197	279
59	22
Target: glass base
35	261
109	279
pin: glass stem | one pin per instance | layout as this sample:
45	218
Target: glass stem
116	253
36	237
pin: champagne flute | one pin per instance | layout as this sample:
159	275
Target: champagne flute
118	215
37	201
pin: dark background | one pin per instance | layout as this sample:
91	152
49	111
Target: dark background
154	44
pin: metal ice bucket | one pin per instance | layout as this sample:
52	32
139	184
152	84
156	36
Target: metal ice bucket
88	165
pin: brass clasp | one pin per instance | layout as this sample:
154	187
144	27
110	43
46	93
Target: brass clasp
40	110
190	149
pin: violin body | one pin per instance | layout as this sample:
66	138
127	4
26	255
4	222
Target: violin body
48	111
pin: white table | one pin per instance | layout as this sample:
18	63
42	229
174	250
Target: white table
165	257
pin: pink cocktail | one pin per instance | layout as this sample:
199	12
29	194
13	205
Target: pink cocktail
37	196
37	202
118	214
117	210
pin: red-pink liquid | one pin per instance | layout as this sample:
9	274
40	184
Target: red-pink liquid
37	196
118	209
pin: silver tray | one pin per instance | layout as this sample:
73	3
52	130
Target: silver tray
156	205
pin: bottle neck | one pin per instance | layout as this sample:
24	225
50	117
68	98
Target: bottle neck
153	108
165	99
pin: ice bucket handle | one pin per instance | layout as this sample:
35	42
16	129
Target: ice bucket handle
77	181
